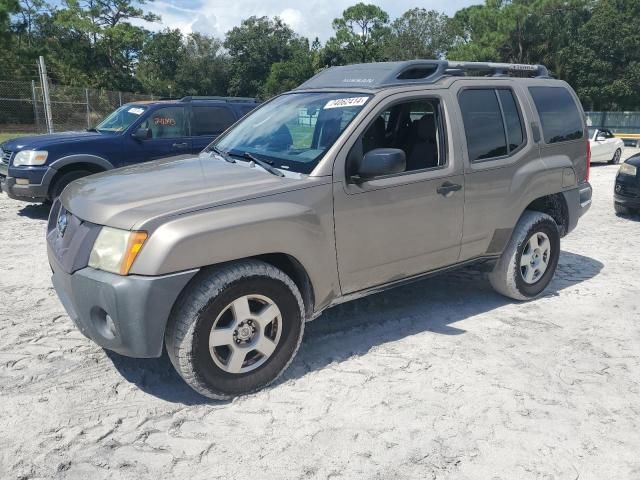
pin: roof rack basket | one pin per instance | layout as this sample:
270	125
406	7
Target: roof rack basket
385	74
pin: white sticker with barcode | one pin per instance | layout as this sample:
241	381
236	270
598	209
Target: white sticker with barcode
346	102
136	111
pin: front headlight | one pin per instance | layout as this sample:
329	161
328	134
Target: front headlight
115	250
628	169
30	157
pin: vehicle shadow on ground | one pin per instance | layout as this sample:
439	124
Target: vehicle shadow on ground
35	211
352	329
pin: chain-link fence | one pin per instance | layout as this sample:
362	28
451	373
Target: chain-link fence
617	122
23	109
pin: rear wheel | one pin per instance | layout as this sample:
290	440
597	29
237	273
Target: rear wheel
235	329
60	182
528	263
616	157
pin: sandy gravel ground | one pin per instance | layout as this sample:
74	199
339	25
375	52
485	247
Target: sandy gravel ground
442	379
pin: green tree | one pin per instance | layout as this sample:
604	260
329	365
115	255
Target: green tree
95	40
360	35
419	33
159	62
288	74
254	46
7	8
204	67
603	63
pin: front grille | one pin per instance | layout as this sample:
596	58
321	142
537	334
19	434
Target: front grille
627	191
5	156
70	240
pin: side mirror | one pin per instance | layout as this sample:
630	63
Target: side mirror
381	161
600	138
142	134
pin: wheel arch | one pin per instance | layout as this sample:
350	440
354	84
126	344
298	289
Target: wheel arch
90	163
554	205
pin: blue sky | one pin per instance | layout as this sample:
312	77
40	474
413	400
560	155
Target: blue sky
310	18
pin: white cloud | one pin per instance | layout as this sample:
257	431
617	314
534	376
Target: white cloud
310	18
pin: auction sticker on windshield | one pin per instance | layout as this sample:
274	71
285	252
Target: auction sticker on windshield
136	111
346	102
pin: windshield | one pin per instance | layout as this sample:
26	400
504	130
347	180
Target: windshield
121	119
592	132
293	131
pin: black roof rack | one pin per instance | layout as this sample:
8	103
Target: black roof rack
191	98
385	74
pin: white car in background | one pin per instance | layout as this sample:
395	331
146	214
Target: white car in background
605	147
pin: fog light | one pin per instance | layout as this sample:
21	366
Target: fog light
103	323
109	326
22	181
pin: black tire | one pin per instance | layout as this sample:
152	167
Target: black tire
616	157
60	182
507	276
206	299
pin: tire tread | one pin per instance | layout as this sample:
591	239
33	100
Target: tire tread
181	326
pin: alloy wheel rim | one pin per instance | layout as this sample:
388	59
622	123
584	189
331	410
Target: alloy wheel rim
245	334
535	258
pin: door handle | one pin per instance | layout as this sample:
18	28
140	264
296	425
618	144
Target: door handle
448	188
179	145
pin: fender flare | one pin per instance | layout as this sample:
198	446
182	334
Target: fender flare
70	160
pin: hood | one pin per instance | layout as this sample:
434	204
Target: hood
40	142
127	197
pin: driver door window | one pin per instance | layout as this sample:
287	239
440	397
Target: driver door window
167	122
413	127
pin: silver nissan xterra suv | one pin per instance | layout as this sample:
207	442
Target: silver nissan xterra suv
361	179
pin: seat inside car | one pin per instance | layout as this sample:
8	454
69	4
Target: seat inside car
423	147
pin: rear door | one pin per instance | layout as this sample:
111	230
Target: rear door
207	122
494	137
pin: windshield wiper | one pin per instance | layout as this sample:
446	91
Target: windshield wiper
225	156
263	164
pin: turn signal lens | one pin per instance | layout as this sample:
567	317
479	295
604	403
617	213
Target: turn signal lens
136	240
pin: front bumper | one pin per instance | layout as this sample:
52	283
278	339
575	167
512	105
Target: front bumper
36	190
627	191
125	314
578	203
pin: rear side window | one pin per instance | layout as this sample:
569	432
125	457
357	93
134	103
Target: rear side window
492	123
561	120
211	120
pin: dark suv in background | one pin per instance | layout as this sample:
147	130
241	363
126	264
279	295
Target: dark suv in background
38	168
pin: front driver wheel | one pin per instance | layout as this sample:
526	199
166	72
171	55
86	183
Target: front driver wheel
61	182
528	263
235	329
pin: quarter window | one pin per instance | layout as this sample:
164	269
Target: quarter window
211	120
559	115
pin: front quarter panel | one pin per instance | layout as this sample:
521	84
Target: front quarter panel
297	223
